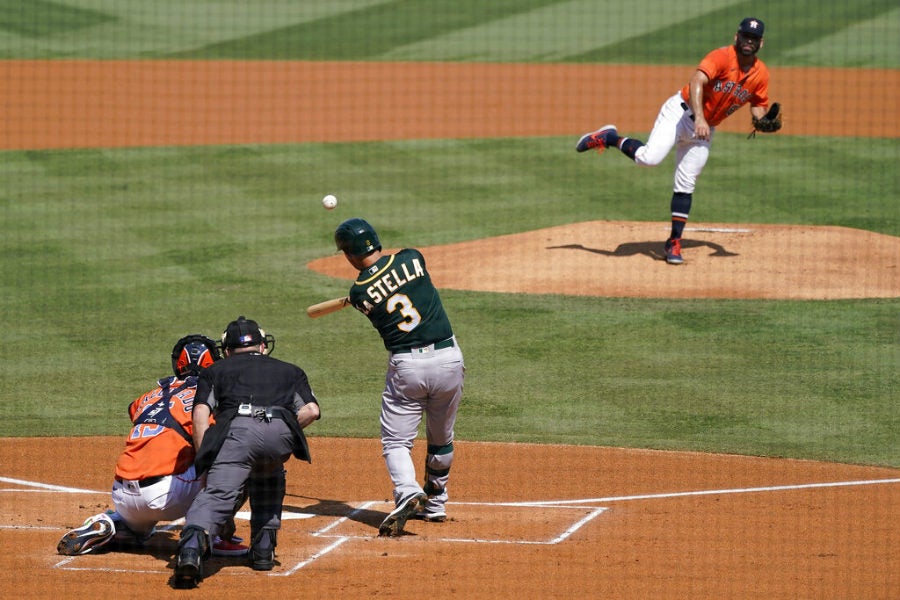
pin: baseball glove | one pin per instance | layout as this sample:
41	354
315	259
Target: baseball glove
770	122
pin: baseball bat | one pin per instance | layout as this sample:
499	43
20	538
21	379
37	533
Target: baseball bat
329	306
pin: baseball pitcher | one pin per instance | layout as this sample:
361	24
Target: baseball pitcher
726	79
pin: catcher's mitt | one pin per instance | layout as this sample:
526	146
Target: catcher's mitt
769	123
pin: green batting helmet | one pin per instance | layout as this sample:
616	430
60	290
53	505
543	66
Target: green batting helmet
356	237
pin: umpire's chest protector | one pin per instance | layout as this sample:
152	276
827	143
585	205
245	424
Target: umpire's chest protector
255	379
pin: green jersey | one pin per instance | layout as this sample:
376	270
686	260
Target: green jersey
397	296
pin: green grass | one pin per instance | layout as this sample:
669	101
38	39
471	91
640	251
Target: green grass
834	33
109	256
112	255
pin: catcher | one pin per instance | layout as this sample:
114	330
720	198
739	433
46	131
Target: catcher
726	79
155	479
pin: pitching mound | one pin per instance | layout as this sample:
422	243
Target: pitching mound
608	258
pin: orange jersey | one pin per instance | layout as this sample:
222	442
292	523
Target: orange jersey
729	88
154	448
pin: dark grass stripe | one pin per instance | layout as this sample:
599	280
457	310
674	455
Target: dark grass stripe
789	25
369	32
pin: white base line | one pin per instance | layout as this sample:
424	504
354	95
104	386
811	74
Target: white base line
560	504
350	515
312	558
565	534
321	533
774	488
718	229
47	487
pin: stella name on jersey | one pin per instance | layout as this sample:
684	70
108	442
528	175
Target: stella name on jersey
392	280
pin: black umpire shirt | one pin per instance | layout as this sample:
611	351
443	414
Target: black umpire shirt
253	378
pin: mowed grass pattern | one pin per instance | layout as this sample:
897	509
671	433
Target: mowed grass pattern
109	256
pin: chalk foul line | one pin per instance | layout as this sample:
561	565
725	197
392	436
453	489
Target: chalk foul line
722	492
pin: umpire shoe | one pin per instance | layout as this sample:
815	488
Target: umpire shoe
599	140
188	569
262	551
393	524
96	532
673	251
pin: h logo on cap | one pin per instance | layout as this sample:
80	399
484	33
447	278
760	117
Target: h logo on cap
752	26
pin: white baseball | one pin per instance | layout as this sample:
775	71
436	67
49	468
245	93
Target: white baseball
329	201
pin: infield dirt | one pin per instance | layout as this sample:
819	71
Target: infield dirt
526	521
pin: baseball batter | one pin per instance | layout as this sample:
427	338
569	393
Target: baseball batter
726	79
425	369
155	478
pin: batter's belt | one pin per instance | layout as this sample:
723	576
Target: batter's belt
448	343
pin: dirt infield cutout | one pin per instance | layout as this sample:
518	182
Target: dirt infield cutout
526	520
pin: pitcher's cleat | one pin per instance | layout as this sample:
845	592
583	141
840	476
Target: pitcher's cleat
599	140
673	251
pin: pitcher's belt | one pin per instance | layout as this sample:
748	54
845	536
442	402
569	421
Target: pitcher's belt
448	343
688	108
144	482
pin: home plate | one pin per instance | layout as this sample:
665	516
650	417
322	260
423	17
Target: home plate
285	515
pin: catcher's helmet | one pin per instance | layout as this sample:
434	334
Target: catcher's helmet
193	353
356	237
243	332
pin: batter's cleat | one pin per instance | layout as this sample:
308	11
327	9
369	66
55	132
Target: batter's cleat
673	251
96	532
393	524
262	552
431	516
599	140
232	547
188	569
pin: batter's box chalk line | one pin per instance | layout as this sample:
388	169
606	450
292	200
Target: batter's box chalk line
592	513
585	504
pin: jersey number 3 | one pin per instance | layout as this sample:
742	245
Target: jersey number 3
402	303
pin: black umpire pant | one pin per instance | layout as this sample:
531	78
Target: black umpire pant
253	453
